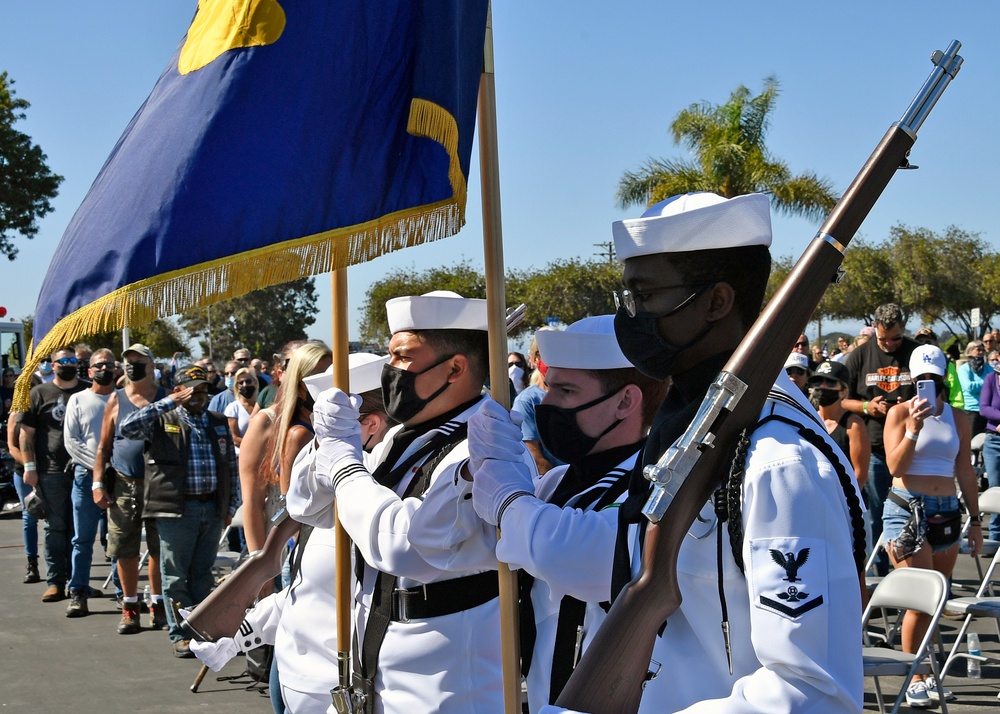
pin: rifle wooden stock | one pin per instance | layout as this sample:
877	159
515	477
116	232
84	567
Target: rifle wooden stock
609	677
221	613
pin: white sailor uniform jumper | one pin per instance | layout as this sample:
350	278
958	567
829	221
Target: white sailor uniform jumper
435	642
794	615
564	552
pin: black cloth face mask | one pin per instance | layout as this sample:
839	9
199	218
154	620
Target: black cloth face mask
66	373
104	377
135	371
247	392
560	432
399	391
977	362
826	397
642	345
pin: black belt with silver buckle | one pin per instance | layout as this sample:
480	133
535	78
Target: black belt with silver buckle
445	597
202	497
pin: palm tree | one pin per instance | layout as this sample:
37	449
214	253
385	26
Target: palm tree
730	159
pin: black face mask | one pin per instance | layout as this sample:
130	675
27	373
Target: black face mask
135	371
642	345
826	397
247	392
81	368
977	362
66	373
399	391
104	377
561	434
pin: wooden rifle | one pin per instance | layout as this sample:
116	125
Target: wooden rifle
611	675
221	613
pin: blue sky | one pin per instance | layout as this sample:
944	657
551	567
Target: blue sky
585	91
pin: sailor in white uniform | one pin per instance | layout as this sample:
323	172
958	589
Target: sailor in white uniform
695	271
301	620
560	529
429	638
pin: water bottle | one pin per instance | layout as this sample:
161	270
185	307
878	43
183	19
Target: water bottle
974	670
147	598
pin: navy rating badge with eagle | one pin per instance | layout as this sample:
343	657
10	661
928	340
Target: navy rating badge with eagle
789	575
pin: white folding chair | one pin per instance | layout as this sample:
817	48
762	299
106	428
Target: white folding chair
989	503
983	604
906	589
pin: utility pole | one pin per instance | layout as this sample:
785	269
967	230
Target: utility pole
607	250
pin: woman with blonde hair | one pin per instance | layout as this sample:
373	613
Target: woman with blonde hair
258	473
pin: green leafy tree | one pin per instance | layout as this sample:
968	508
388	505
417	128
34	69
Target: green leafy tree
26	183
566	290
262	321
163	337
569	290
730	159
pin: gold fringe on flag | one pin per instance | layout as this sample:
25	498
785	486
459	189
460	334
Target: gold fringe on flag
208	283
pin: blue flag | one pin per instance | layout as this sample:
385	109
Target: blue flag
284	138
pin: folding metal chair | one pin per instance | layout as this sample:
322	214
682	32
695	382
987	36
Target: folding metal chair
989	503
917	589
984	604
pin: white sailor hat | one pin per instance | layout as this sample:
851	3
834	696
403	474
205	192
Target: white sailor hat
797	359
589	343
928	359
437	310
364	369
695	221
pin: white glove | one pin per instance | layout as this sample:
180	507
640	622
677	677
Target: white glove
336	421
494	433
336	415
215	654
497	484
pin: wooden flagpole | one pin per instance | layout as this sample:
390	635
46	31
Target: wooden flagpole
342	542
489	169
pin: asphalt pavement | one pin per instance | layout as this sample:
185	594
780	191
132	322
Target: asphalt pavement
51	663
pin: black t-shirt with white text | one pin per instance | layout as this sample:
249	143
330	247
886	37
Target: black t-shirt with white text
46	415
876	373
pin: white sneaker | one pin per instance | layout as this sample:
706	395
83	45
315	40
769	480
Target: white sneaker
916	695
932	691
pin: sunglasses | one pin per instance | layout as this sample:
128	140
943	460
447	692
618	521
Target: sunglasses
795	371
67	360
801	344
828	384
103	365
246	383
229	374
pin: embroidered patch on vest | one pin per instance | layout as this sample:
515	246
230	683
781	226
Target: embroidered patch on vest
789	575
221	430
172	428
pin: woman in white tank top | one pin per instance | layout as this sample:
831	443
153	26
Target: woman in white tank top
927	450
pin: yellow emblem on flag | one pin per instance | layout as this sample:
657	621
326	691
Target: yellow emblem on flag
222	25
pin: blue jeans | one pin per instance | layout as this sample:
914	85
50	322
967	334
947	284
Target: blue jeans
876	491
86	516
57	491
188	546
29	524
991	459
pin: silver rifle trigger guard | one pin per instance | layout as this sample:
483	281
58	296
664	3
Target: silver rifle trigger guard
669	473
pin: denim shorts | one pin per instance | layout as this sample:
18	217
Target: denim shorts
894	516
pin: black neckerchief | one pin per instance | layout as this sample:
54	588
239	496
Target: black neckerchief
583	474
687	390
402	439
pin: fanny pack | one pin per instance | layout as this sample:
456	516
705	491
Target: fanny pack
939	529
